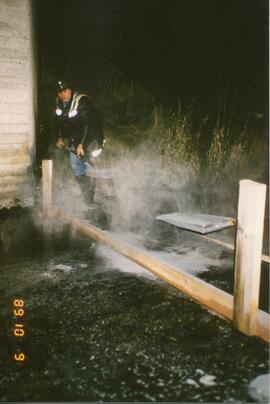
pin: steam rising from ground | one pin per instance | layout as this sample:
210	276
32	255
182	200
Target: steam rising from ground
142	187
113	260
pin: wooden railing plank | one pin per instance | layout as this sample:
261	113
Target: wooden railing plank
202	292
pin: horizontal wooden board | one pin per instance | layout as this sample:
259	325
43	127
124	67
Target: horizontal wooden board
11	19
11	109
9	158
11	43
7	128
7	30
14	138
14	119
10	155
14	67
14	179
15	78
11	188
13	148
10	6
13	85
22	195
13	54
13	169
19	96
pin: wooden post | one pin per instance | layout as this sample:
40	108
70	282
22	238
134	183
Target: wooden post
46	186
251	206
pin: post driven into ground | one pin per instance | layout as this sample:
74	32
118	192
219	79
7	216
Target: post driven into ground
248	255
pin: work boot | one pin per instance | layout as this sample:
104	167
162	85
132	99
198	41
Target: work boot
88	186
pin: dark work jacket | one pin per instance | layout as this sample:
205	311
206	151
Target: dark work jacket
78	121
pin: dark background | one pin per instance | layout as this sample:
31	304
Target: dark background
208	50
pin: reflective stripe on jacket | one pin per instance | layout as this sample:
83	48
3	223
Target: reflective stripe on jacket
78	120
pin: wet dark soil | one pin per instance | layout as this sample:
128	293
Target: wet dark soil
96	333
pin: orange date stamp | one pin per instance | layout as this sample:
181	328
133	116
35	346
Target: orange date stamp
19	329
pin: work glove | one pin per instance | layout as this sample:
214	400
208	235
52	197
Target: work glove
60	143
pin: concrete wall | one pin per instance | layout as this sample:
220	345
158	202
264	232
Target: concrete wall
17	123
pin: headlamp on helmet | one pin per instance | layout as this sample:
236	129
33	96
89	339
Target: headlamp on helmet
62	85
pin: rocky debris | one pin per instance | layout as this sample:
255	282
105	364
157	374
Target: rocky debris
208	380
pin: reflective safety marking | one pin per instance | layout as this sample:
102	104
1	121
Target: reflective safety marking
75	103
72	113
96	153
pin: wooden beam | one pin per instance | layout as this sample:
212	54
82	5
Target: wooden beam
248	254
208	295
265	257
46	186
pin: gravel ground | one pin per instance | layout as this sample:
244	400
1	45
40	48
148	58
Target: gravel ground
98	330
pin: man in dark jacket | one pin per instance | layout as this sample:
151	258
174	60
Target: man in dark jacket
78	121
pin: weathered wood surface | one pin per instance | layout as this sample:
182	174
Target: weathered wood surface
10	169
265	257
188	222
14	179
208	295
14	139
17	87
47	167
248	254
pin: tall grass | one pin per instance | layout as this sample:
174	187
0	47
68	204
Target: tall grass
233	153
174	140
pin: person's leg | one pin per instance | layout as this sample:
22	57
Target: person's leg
77	165
86	184
91	162
87	189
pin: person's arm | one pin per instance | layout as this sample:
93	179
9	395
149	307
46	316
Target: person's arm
60	140
60	143
92	128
